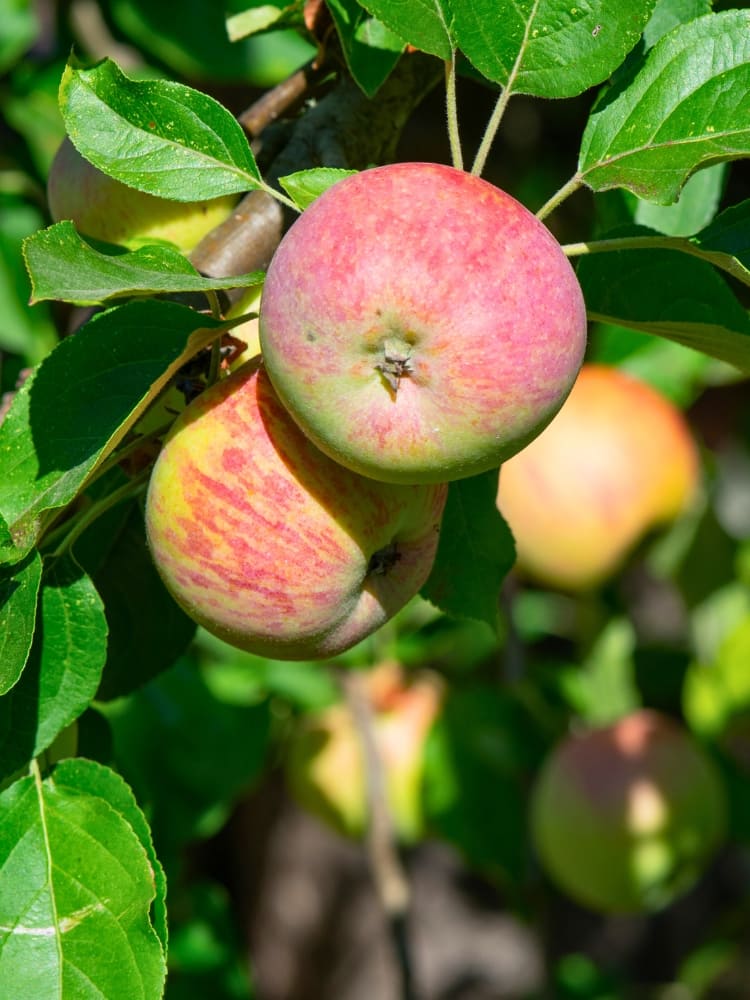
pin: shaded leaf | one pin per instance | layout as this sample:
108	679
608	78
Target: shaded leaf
474	554
668	14
63	669
695	208
304	186
82	399
548	48
425	24
64	266
686	108
76	884
147	628
726	241
158	136
627	288
18	597
263	17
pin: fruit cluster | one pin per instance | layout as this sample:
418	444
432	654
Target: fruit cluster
417	326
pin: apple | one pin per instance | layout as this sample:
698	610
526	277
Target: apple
616	461
420	324
626	817
103	208
326	770
269	544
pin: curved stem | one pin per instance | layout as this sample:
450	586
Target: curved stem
87	517
490	132
630	243
575	182
451	107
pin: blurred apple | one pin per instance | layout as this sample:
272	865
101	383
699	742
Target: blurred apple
616	461
626	817
326	763
103	208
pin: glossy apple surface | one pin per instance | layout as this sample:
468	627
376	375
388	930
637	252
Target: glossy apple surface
326	765
269	544
617	460
626	817
420	324
102	207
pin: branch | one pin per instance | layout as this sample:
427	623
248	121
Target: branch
387	870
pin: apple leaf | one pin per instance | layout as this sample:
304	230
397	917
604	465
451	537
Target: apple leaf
425	24
668	14
686	108
261	18
474	553
304	186
63	670
695	208
18	599
77	883
158	136
64	266
147	628
725	242
20	26
370	48
79	403
548	48
626	287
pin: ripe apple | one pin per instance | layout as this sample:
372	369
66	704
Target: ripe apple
105	209
420	324
617	460
267	542
626	817
326	762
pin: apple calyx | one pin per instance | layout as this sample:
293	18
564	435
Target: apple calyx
382	561
396	363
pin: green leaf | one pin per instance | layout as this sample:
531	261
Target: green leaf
104	783
147	629
63	670
726	241
304	186
81	401
18	597
685	109
261	18
64	266
474	554
425	24
19	28
627	288
76	888
668	14
370	48
24	331
548	48
156	135
695	208
604	687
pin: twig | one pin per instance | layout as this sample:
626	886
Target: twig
388	872
282	99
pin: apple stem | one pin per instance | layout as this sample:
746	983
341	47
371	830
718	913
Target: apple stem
388	872
451	107
87	517
569	188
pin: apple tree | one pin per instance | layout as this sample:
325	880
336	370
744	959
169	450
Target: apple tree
221	616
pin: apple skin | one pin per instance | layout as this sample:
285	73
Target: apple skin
326	765
626	817
269	544
420	324
103	208
617	460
